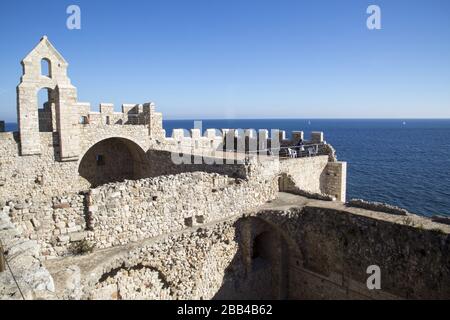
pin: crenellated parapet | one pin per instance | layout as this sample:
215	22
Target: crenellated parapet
324	175
131	114
210	139
245	140
135	114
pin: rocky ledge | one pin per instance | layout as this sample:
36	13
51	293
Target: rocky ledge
377	206
24	276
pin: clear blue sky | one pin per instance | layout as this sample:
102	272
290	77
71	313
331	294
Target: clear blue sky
242	59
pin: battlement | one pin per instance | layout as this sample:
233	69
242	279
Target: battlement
245	141
132	114
181	135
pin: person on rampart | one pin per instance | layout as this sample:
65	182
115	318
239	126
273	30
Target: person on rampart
299	147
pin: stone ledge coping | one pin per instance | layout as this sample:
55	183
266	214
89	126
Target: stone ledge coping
377	206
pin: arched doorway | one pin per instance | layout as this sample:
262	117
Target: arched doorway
269	253
113	160
46	109
261	267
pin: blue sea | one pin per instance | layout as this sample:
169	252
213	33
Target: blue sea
401	162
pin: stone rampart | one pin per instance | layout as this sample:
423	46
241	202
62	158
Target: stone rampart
115	214
136	210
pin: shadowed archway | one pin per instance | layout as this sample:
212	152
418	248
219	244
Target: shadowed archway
113	160
261	267
46	101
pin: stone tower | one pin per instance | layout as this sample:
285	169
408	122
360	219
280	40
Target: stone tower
58	114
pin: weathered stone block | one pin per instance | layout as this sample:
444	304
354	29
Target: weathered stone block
77	236
63	238
61	206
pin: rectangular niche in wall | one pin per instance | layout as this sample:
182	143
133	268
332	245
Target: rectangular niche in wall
100	160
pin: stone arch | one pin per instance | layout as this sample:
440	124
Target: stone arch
136	282
261	269
269	257
113	159
46	111
278	225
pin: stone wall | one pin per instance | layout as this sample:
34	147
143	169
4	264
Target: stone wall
138	283
161	163
308	174
335	183
190	265
25	277
43	176
316	176
92	134
338	244
118	213
377	206
37	176
211	262
286	184
318	251
55	223
136	210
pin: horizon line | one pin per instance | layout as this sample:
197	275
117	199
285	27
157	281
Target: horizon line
313	118
283	118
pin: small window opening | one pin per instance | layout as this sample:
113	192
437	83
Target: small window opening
100	160
46	68
84	120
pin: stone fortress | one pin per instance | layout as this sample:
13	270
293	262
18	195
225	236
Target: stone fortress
102	205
